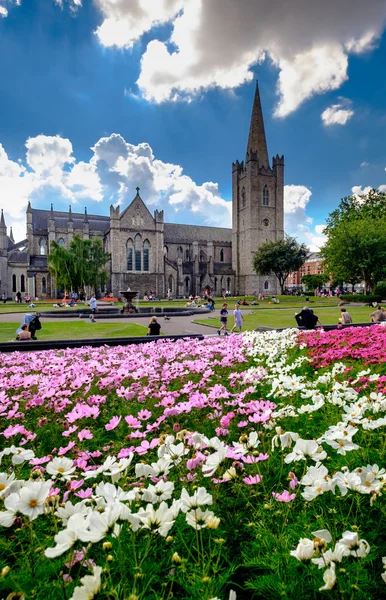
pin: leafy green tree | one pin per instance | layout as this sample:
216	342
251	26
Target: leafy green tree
83	264
314	282
281	258
98	258
356	240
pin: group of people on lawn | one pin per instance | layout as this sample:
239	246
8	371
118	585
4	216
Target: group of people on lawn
307	319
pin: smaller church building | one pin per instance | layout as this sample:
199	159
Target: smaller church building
147	253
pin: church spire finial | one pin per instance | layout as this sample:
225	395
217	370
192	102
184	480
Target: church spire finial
137	188
11	235
85	220
2	220
70	214
257	142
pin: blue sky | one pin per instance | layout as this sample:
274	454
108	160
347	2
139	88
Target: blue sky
178	91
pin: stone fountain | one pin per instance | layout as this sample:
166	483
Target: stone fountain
129	307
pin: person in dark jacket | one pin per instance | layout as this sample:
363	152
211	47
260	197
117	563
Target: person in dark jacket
154	327
306	318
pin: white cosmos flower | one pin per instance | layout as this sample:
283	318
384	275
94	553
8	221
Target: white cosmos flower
175	452
32	498
112	493
116	470
61	467
65	512
109	462
214	460
304	550
66	538
5	482
342	445
304	449
158	469
285	438
160	520
199	498
331	556
8	516
99	524
357	547
91	584
329	578
19	455
163	490
323	534
346	480
199	519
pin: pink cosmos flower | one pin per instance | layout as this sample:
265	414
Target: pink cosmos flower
133	422
113	423
54	492
66	448
84	493
284	496
144	415
293	480
252	480
85	434
70	431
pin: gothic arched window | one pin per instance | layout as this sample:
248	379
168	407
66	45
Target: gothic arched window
146	247
187	285
171	284
266	284
243	198
44	285
265	196
180	252
187	254
130	249
138	252
61	242
202	257
14	283
221	255
43	247
22	283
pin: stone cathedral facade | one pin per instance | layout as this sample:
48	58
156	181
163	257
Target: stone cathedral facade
147	253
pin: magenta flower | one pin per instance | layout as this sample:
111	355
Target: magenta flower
85	434
133	422
84	493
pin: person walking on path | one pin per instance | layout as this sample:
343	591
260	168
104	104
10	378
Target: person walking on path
18	297
154	327
345	317
238	324
223	319
93	304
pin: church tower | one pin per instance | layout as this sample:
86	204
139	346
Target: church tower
257	206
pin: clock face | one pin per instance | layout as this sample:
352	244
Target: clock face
266	222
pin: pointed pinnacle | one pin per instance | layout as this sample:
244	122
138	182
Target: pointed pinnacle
257	142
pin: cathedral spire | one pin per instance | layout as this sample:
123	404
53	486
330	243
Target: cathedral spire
11	236
85	220
257	142
2	220
69	214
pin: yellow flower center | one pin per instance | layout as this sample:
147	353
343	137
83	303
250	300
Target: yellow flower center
33	503
60	470
2	487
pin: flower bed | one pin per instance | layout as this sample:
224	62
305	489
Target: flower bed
250	466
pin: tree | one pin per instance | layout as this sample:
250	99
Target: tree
356	240
314	282
280	258
81	265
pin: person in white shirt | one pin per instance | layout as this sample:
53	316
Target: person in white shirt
93	304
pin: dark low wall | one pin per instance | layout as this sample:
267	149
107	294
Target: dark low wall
37	346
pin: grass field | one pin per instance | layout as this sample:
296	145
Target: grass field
75	330
285	318
13	307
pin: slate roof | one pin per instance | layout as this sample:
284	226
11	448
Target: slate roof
175	233
18	257
40	220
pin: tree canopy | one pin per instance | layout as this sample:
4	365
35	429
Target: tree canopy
281	258
314	282
82	264
356	240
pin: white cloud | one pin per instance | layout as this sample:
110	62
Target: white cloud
296	222
216	42
3	11
51	172
3	6
338	114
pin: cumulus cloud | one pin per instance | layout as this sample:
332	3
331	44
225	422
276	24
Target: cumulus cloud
358	191
9	3
338	114
297	223
216	43
49	172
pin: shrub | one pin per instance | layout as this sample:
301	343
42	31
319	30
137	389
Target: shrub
380	290
366	299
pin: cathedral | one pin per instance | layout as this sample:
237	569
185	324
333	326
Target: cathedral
147	253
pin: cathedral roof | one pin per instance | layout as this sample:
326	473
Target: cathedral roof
18	257
175	233
96	222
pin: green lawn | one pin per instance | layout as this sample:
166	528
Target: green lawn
285	318
75	330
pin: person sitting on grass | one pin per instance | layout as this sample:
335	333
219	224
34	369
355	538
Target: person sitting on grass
345	317
378	316
24	334
154	327
223	319
238	324
33	325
